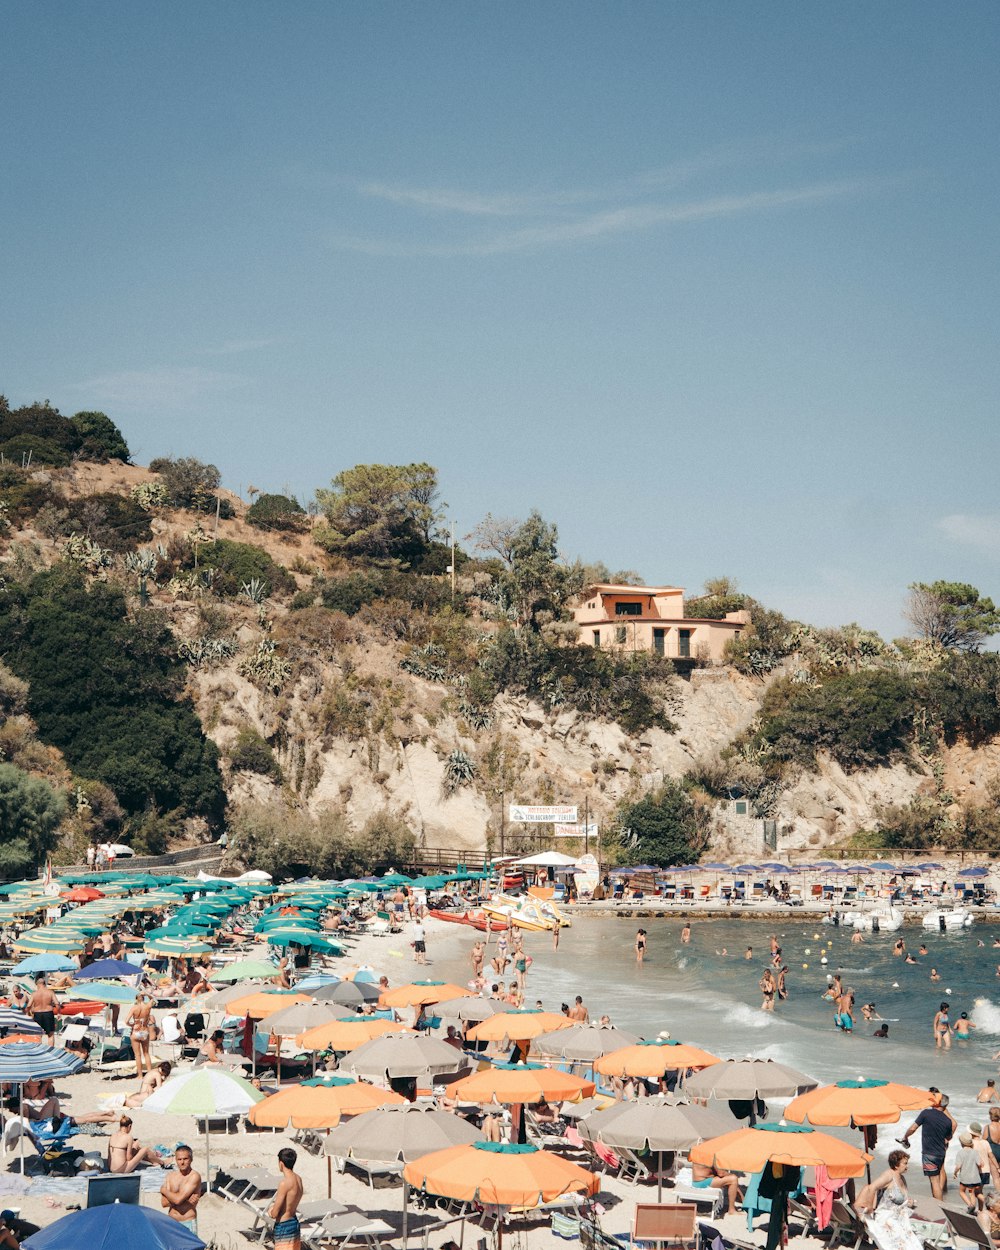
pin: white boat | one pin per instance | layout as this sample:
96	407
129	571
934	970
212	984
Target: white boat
944	918
879	919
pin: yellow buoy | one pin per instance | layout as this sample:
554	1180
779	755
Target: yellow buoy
805	965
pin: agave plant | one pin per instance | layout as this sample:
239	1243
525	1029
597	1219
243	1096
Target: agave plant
459	771
255	590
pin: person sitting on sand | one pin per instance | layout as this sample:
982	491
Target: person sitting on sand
210	1051
705	1177
124	1152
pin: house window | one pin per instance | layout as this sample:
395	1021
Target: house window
659	641
684	643
741	807
628	609
597	638
621	634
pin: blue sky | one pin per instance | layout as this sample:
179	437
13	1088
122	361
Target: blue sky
713	286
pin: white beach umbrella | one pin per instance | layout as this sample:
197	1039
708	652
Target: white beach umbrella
208	1093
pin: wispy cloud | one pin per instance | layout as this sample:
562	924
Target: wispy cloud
610	221
236	347
158	388
980	530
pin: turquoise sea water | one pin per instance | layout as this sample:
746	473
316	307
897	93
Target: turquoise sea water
700	996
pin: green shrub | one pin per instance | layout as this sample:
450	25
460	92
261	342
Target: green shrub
240	563
277	512
862	720
106	691
100	438
251	753
30	812
43	451
665	829
760	647
110	520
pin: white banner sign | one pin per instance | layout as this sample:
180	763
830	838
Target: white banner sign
541	815
576	831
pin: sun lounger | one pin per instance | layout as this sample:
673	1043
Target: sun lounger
846	1227
593	1237
967	1227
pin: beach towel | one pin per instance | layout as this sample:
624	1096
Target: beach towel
825	1190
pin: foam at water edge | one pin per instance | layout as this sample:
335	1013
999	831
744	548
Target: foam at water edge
986	1016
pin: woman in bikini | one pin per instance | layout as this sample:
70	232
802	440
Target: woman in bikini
150	1082
124	1152
140	1019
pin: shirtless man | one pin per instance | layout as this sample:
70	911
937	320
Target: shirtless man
578	1012
989	1092
686	933
124	1152
284	1208
181	1191
705	1177
42	1006
478	954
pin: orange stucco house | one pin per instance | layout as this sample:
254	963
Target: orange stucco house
651	618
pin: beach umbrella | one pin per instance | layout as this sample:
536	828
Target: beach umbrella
38	941
217	1000
468	1008
208	1093
263	1003
299	1017
319	1106
429	883
104	992
421	993
344	1035
749	1149
856	1104
245	970
655	1124
26	1061
347	993
178	946
653	1059
81	894
14	1021
582	1043
320	980
746	1079
399	1132
974	872
115	1226
44	963
518	1026
304	938
105	969
396	1055
499	1175
515	1083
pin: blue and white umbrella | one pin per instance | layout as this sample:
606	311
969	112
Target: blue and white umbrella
14	1021
48	962
26	1061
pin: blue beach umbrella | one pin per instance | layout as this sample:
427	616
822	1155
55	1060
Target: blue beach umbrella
25	1061
115	1226
44	963
974	872
104	969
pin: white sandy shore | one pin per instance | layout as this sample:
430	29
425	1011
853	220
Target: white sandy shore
227	1223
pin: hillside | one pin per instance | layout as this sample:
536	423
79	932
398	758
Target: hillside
346	700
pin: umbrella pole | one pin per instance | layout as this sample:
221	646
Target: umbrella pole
406	1205
208	1159
329	1173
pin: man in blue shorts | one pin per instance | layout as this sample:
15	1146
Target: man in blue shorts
937	1126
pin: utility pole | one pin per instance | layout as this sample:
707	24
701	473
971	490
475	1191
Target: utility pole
503	817
586	824
453	561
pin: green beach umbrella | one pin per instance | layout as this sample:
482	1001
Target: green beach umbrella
178	946
244	970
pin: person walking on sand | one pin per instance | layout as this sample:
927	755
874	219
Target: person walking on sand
478	954
555	935
180	1193
937	1127
284	1209
640	946
419	943
42	1007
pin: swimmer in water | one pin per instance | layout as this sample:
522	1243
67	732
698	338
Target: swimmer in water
910	959
923	949
942	1028
748	954
857	937
935	975
835	988
869	1012
882	1031
963	1027
640	946
899	948
686	934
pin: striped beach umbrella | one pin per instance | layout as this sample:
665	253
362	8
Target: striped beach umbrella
14	1021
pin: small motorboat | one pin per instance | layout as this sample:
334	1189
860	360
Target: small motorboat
880	919
945	918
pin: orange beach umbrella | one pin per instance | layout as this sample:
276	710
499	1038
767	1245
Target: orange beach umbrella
653	1059
499	1175
518	1026
749	1149
319	1106
346	1034
522	1082
420	994
856	1104
260	1005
